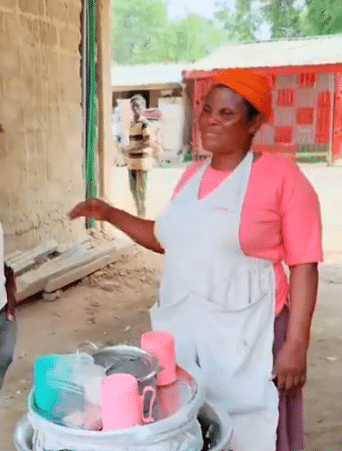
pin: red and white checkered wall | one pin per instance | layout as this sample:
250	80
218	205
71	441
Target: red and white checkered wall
302	106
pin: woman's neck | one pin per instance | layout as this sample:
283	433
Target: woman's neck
227	162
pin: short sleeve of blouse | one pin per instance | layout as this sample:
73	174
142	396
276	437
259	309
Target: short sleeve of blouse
301	218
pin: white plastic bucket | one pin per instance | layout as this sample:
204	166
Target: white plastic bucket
219	435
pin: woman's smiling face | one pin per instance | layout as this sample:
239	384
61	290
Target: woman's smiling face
224	123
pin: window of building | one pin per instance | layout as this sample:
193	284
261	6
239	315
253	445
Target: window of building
286	97
308	79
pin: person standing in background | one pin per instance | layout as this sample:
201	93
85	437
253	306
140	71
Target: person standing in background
141	149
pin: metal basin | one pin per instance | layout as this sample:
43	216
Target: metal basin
166	426
215	425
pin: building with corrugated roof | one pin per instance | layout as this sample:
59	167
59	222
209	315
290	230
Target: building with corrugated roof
306	78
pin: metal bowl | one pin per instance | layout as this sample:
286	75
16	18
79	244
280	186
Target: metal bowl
131	360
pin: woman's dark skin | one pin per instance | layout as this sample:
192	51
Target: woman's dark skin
11	293
227	131
140	230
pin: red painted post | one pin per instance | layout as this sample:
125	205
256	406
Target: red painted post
324	117
337	133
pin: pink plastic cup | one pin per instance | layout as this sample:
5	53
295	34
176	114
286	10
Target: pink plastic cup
121	404
162	345
168	400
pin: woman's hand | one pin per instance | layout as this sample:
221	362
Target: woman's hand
11	307
91	208
139	230
290	366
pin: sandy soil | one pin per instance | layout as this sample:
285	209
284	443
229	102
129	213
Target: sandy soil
112	307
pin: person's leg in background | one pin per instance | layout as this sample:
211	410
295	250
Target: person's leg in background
133	186
141	192
8	332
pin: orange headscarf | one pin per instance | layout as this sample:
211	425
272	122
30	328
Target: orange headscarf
253	87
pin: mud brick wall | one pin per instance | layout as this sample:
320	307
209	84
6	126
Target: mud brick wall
41	154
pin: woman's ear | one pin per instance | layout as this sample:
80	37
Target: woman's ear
256	123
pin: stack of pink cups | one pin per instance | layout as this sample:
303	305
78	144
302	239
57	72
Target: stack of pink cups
122	405
162	345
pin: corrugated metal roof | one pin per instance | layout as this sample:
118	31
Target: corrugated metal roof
146	75
276	53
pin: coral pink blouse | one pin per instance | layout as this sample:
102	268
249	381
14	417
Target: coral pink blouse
281	219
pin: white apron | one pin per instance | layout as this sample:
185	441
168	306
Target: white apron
220	305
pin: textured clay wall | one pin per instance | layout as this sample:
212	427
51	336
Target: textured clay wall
41	155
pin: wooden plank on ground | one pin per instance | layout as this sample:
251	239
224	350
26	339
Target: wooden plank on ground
27	260
36	280
13	255
78	273
39	251
69	247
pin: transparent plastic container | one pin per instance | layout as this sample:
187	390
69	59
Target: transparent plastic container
67	389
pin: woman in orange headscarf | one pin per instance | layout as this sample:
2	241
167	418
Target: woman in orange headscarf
233	222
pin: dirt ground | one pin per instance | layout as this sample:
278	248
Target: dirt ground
112	307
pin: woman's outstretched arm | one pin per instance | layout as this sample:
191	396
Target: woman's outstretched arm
139	230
